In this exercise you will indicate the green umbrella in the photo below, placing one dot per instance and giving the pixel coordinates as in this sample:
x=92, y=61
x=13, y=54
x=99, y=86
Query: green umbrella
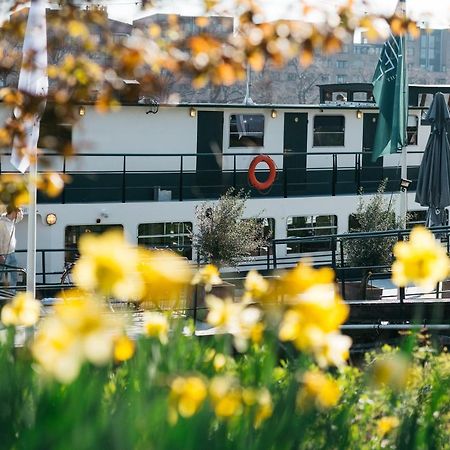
x=433, y=183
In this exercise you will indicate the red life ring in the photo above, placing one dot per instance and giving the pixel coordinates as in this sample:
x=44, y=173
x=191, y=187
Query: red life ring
x=260, y=185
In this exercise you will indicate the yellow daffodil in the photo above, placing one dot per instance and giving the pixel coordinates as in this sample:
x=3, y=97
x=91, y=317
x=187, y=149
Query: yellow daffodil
x=208, y=275
x=223, y=313
x=219, y=362
x=79, y=330
x=250, y=327
x=256, y=287
x=333, y=349
x=386, y=424
x=302, y=278
x=124, y=348
x=166, y=277
x=226, y=396
x=186, y=396
x=264, y=408
x=421, y=260
x=23, y=310
x=156, y=325
x=93, y=326
x=57, y=351
x=262, y=400
x=108, y=266
x=319, y=389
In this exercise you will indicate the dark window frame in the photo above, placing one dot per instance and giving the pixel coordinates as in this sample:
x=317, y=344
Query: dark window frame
x=161, y=238
x=324, y=134
x=73, y=233
x=252, y=137
x=311, y=229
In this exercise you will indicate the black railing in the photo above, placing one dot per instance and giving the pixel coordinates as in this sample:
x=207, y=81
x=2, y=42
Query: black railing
x=336, y=257
x=175, y=176
x=268, y=261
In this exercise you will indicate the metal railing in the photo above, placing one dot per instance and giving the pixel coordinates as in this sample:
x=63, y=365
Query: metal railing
x=131, y=176
x=336, y=257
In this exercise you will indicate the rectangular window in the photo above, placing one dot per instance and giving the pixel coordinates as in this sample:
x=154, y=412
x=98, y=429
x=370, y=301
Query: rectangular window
x=175, y=236
x=341, y=78
x=74, y=232
x=329, y=131
x=360, y=96
x=419, y=217
x=414, y=218
x=412, y=129
x=311, y=227
x=341, y=64
x=246, y=130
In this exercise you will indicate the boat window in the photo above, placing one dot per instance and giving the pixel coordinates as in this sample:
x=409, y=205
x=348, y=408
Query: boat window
x=172, y=235
x=246, y=130
x=419, y=217
x=329, y=131
x=414, y=218
x=412, y=129
x=74, y=232
x=269, y=232
x=311, y=226
x=54, y=134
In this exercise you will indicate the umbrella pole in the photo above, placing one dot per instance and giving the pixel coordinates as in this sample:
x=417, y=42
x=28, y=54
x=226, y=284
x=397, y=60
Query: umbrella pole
x=403, y=191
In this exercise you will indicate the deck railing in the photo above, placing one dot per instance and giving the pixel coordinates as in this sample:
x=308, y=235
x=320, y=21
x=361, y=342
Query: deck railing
x=176, y=176
x=269, y=264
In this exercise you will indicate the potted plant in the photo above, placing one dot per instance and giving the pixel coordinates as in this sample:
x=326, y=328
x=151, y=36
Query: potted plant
x=376, y=213
x=224, y=237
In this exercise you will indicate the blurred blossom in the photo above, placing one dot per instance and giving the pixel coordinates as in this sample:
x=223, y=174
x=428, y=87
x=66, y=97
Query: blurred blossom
x=314, y=315
x=386, y=424
x=219, y=362
x=333, y=349
x=79, y=330
x=156, y=325
x=226, y=396
x=242, y=321
x=208, y=275
x=261, y=401
x=186, y=397
x=256, y=287
x=318, y=389
x=165, y=276
x=223, y=313
x=23, y=310
x=124, y=348
x=51, y=183
x=422, y=260
x=108, y=266
x=391, y=370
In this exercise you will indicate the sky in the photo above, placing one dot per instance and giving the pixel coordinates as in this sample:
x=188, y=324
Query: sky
x=436, y=13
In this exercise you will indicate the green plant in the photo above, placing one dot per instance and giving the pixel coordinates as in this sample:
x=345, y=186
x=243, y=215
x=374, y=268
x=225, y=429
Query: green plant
x=224, y=236
x=377, y=213
x=374, y=214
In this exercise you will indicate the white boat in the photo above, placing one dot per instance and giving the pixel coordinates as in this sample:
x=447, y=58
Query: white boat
x=146, y=168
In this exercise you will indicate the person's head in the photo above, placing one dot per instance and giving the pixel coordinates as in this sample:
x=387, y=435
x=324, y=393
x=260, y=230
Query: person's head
x=12, y=212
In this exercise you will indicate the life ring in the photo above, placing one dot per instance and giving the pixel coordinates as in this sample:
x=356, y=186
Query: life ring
x=262, y=185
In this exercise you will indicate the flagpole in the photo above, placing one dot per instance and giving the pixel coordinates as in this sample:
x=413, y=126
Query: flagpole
x=404, y=156
x=31, y=242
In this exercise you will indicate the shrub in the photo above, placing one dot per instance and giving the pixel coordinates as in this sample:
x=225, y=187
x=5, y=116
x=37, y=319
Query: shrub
x=375, y=214
x=224, y=237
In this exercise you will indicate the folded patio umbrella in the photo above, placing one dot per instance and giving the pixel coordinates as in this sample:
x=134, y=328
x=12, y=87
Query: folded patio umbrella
x=433, y=183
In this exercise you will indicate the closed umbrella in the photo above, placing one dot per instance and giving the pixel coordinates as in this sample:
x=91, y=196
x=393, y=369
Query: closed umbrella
x=433, y=183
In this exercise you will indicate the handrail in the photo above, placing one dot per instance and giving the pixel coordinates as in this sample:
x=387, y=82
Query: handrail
x=356, y=235
x=194, y=155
